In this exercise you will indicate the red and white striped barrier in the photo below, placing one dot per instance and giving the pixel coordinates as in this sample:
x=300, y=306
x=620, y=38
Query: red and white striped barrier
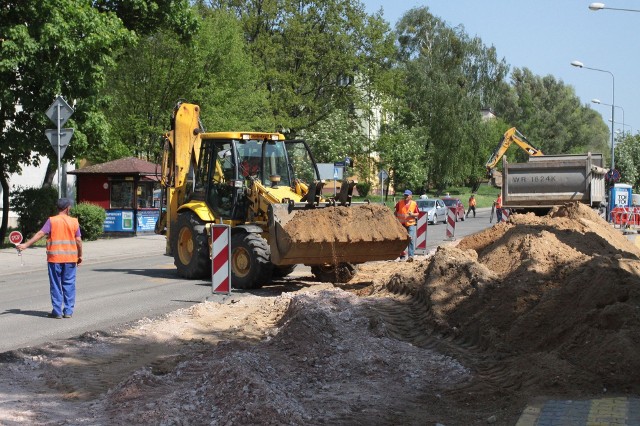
x=451, y=223
x=625, y=216
x=220, y=259
x=505, y=215
x=421, y=234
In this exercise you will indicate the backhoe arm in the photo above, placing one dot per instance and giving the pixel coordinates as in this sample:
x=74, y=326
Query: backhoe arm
x=510, y=136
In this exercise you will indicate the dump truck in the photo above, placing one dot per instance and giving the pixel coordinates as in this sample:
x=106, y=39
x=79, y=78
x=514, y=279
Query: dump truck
x=547, y=181
x=268, y=190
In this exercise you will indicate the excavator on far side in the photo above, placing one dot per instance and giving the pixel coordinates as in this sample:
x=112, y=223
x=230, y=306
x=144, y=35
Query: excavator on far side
x=510, y=136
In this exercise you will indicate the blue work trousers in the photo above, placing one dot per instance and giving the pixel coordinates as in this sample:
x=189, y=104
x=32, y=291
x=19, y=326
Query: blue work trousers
x=411, y=229
x=62, y=284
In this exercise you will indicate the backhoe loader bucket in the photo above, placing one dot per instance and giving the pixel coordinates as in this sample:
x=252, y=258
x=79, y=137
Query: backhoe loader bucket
x=334, y=234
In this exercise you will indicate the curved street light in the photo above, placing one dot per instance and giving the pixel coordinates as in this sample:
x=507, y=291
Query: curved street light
x=579, y=64
x=600, y=6
x=597, y=101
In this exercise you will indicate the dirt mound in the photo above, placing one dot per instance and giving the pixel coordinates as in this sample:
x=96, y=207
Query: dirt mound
x=564, y=288
x=329, y=353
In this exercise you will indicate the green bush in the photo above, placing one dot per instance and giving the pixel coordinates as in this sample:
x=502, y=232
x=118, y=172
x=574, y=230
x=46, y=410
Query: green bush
x=91, y=218
x=34, y=206
x=363, y=188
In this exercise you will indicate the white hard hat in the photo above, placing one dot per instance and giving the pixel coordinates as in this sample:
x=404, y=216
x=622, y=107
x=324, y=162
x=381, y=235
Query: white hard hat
x=423, y=197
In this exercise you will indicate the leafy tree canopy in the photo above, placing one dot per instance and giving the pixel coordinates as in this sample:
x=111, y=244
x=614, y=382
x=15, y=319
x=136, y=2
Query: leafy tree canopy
x=312, y=54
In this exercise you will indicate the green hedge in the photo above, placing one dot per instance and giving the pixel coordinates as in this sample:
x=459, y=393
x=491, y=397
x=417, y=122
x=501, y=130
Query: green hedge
x=34, y=206
x=91, y=218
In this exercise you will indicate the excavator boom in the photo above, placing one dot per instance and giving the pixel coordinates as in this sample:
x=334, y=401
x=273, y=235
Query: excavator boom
x=510, y=136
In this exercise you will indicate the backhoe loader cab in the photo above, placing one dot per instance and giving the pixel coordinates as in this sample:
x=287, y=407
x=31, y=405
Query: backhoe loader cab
x=268, y=190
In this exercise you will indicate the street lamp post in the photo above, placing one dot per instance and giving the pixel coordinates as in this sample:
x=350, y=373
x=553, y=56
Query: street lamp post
x=597, y=101
x=623, y=126
x=613, y=102
x=600, y=6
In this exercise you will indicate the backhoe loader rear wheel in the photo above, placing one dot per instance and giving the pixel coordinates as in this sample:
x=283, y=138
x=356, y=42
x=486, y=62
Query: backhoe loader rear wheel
x=337, y=274
x=190, y=247
x=250, y=265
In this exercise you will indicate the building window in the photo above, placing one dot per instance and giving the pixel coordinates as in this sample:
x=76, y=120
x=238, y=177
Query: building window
x=121, y=195
x=145, y=195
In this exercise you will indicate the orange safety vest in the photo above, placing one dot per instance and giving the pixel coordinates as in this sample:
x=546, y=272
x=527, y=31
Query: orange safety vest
x=472, y=202
x=402, y=212
x=61, y=244
x=499, y=202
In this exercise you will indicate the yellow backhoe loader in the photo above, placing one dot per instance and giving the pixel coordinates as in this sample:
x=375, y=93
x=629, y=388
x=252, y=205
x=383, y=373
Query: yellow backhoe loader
x=510, y=136
x=268, y=190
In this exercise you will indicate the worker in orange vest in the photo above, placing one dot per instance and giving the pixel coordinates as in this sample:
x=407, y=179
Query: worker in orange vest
x=407, y=213
x=472, y=205
x=64, y=254
x=498, y=204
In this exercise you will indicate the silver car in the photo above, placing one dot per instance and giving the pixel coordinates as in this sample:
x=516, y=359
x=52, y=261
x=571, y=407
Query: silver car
x=435, y=209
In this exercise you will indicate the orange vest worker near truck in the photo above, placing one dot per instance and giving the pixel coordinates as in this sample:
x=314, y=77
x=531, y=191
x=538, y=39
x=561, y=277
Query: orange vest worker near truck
x=407, y=213
x=64, y=254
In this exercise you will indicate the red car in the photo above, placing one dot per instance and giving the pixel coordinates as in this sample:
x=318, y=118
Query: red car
x=456, y=204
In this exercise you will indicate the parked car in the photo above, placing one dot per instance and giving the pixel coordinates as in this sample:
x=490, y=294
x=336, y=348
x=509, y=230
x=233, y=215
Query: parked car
x=435, y=208
x=457, y=205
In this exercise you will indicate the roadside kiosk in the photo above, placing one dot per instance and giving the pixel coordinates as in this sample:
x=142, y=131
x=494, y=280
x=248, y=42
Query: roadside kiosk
x=125, y=189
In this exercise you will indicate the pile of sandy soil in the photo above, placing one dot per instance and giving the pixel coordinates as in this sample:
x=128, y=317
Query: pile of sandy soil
x=358, y=223
x=537, y=307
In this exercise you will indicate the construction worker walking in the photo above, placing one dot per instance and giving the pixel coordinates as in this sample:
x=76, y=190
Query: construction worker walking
x=498, y=205
x=407, y=213
x=472, y=205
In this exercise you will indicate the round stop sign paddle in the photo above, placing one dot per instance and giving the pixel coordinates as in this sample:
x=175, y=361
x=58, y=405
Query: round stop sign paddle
x=15, y=237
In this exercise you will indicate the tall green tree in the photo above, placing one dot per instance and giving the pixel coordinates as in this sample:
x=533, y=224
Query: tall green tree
x=312, y=54
x=49, y=48
x=449, y=78
x=549, y=113
x=62, y=47
x=627, y=154
x=214, y=70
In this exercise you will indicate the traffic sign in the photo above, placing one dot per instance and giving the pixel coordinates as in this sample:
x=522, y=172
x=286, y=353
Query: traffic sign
x=65, y=137
x=59, y=111
x=613, y=175
x=383, y=175
x=15, y=237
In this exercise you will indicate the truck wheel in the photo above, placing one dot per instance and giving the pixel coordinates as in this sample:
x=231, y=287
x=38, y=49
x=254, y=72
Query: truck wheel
x=337, y=274
x=250, y=265
x=282, y=271
x=190, y=247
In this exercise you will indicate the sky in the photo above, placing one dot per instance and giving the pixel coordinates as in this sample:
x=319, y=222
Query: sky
x=546, y=36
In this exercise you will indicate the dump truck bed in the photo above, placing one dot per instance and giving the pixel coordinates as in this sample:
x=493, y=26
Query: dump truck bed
x=335, y=234
x=544, y=182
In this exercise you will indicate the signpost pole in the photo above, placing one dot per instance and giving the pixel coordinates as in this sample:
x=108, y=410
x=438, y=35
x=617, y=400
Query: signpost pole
x=59, y=161
x=59, y=112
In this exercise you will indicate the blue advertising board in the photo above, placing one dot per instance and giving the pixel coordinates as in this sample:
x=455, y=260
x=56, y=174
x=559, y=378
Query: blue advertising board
x=123, y=220
x=146, y=220
x=119, y=221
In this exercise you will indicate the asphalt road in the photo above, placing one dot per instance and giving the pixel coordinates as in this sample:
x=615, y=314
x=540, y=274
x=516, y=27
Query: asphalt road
x=121, y=281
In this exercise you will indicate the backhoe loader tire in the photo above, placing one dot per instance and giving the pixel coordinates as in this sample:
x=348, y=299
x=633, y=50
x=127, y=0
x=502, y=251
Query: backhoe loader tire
x=336, y=274
x=282, y=271
x=190, y=247
x=250, y=265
